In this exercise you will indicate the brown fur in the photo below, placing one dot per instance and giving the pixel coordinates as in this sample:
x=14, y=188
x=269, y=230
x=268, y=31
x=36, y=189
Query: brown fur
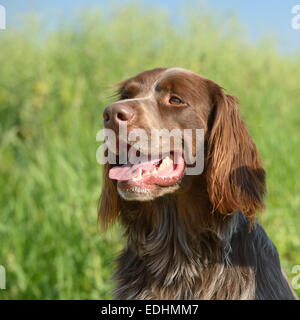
x=202, y=240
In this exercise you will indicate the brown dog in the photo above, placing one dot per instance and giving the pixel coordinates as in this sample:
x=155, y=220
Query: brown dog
x=189, y=236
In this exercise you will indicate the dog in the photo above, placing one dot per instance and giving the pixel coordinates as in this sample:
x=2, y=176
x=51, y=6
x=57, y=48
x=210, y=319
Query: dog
x=189, y=236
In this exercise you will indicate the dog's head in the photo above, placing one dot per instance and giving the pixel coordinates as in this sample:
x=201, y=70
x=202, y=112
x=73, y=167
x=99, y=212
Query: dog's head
x=174, y=101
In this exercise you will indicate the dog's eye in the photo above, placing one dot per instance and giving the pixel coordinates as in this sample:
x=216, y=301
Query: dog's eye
x=175, y=101
x=124, y=95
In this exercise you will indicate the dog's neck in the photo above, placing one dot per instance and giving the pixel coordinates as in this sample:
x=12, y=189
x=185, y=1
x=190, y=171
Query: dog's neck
x=181, y=217
x=175, y=237
x=177, y=228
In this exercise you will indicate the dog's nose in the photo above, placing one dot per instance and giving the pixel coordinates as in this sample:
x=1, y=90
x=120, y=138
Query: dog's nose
x=117, y=114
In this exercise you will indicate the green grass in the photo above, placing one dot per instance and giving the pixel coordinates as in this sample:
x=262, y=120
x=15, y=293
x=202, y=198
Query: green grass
x=53, y=90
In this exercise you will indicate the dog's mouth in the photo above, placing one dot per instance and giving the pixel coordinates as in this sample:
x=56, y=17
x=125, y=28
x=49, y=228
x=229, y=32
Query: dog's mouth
x=163, y=171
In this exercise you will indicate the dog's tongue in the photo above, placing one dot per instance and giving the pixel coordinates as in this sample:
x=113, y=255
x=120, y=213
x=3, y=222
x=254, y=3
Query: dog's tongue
x=130, y=171
x=162, y=172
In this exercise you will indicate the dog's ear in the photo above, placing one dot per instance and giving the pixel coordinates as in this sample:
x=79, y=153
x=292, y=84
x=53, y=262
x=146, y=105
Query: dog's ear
x=234, y=173
x=109, y=203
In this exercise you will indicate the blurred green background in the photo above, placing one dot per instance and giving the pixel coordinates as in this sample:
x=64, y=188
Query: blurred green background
x=54, y=85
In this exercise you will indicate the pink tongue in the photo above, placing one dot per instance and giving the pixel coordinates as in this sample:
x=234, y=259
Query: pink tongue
x=130, y=171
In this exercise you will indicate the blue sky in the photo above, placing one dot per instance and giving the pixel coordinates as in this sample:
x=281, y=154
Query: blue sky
x=260, y=17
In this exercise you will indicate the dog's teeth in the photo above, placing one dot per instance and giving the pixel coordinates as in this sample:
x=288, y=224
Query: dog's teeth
x=138, y=176
x=165, y=163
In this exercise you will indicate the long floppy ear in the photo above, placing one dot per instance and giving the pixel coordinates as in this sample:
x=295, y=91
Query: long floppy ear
x=235, y=175
x=109, y=203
